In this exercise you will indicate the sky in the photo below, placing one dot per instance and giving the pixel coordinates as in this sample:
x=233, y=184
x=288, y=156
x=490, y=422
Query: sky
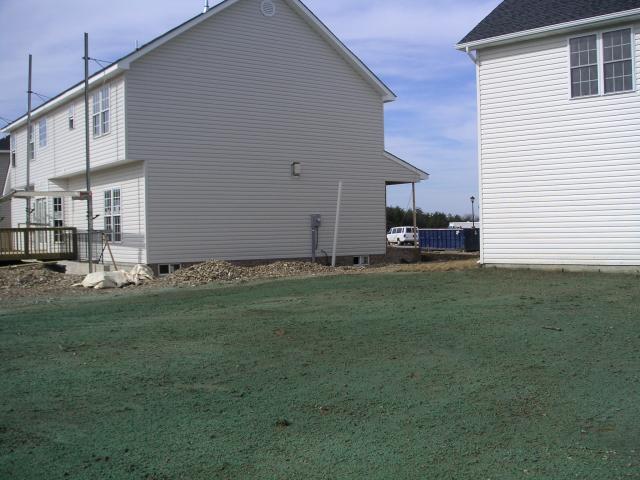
x=409, y=44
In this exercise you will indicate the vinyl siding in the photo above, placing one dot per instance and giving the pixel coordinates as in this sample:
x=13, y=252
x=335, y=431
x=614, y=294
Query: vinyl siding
x=130, y=179
x=221, y=112
x=64, y=154
x=560, y=177
x=5, y=208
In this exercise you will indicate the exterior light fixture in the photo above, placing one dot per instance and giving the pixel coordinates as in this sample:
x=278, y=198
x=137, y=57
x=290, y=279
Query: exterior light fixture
x=296, y=169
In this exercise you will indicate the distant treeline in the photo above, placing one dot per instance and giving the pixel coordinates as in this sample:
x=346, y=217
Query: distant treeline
x=399, y=217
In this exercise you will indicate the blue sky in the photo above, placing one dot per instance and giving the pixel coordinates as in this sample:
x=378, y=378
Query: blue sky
x=408, y=43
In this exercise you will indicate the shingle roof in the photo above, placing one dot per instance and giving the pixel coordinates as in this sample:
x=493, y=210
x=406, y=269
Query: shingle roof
x=513, y=16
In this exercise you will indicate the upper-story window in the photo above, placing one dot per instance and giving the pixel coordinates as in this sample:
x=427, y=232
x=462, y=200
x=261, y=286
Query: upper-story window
x=31, y=145
x=71, y=117
x=12, y=142
x=603, y=57
x=584, y=66
x=618, y=66
x=101, y=111
x=42, y=133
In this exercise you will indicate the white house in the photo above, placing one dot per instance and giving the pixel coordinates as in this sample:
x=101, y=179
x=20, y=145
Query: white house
x=219, y=139
x=559, y=132
x=5, y=210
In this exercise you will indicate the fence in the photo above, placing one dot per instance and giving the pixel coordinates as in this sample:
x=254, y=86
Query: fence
x=97, y=242
x=467, y=239
x=38, y=244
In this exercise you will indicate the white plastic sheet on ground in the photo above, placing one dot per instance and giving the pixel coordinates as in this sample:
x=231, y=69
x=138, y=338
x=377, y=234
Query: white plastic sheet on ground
x=118, y=279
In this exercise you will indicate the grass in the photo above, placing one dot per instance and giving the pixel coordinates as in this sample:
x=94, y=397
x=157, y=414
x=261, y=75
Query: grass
x=443, y=375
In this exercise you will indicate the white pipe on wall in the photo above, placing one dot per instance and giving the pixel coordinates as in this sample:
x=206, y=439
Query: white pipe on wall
x=337, y=225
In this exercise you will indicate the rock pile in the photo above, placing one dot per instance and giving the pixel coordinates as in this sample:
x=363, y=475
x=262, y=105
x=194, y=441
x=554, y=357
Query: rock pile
x=220, y=271
x=14, y=281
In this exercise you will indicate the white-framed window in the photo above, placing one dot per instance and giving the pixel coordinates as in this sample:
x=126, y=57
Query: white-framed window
x=164, y=270
x=12, y=143
x=101, y=117
x=602, y=63
x=618, y=62
x=584, y=66
x=31, y=146
x=112, y=215
x=71, y=117
x=42, y=133
x=58, y=219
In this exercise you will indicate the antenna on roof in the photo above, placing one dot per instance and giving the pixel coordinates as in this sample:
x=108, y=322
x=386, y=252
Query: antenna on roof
x=206, y=6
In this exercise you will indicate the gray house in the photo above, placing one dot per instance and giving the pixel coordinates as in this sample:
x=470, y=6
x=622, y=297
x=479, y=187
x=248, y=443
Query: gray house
x=219, y=139
x=5, y=209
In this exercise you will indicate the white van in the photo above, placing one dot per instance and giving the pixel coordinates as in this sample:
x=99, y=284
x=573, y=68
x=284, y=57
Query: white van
x=402, y=236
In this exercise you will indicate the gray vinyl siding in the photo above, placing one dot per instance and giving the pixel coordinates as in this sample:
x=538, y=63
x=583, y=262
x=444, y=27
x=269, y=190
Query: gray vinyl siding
x=560, y=177
x=5, y=208
x=221, y=112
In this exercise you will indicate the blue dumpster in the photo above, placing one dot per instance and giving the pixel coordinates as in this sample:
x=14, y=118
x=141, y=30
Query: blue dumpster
x=467, y=239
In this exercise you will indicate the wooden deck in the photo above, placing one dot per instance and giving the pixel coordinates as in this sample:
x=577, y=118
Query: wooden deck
x=38, y=244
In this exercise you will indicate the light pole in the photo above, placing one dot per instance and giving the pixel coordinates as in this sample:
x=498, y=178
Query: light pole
x=473, y=212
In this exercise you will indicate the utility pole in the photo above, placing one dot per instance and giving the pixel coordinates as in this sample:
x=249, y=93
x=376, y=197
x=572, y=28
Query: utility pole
x=29, y=147
x=416, y=235
x=87, y=154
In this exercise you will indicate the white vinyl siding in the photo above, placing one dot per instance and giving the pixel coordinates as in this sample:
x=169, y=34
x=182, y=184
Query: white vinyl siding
x=222, y=112
x=129, y=180
x=560, y=178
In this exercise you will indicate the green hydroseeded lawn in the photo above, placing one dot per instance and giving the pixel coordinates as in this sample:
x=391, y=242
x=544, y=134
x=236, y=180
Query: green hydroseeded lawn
x=445, y=375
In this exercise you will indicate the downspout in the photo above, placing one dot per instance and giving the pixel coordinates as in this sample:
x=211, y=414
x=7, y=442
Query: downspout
x=473, y=57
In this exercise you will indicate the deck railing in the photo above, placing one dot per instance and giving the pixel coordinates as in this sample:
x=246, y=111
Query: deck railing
x=38, y=244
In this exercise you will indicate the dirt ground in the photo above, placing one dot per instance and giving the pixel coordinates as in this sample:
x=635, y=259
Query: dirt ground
x=43, y=282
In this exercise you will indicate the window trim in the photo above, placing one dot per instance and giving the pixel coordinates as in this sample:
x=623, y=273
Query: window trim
x=111, y=190
x=43, y=123
x=98, y=93
x=600, y=46
x=12, y=151
x=71, y=117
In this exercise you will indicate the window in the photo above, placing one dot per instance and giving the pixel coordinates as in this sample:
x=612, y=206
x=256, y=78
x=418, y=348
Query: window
x=58, y=221
x=112, y=218
x=12, y=142
x=584, y=66
x=618, y=74
x=71, y=114
x=164, y=270
x=101, y=116
x=40, y=212
x=42, y=132
x=31, y=147
x=604, y=57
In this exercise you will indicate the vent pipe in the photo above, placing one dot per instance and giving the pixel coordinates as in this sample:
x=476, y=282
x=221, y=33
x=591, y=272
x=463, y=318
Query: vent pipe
x=206, y=6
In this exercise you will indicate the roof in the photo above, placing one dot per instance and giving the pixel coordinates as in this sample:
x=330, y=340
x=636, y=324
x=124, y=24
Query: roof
x=422, y=175
x=513, y=16
x=124, y=63
x=5, y=144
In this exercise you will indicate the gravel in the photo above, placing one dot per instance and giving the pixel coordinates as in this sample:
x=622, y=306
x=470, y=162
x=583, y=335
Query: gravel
x=27, y=280
x=220, y=271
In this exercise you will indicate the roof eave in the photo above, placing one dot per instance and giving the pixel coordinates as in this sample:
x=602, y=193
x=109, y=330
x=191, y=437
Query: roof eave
x=73, y=92
x=558, y=28
x=422, y=175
